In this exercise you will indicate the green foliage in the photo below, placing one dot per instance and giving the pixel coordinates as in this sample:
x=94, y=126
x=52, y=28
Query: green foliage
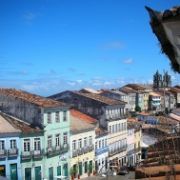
x=72, y=171
x=138, y=108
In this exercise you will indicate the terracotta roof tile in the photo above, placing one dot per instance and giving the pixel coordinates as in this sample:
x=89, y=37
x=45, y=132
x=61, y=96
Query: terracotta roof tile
x=103, y=99
x=174, y=116
x=79, y=125
x=83, y=116
x=143, y=114
x=32, y=98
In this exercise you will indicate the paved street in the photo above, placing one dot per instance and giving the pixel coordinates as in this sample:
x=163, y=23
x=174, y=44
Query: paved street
x=131, y=175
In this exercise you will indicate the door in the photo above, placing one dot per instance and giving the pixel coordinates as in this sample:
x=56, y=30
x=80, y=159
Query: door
x=13, y=171
x=80, y=169
x=51, y=173
x=37, y=173
x=2, y=170
x=90, y=163
x=85, y=167
x=66, y=170
x=27, y=173
x=58, y=170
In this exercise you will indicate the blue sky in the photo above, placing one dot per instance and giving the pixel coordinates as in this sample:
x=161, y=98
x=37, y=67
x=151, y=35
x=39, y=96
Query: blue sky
x=49, y=46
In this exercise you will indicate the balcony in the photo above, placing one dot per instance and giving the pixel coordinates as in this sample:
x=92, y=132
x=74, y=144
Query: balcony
x=117, y=150
x=91, y=147
x=130, y=151
x=137, y=149
x=12, y=152
x=80, y=151
x=2, y=153
x=74, y=153
x=102, y=150
x=86, y=149
x=57, y=150
x=38, y=154
x=26, y=155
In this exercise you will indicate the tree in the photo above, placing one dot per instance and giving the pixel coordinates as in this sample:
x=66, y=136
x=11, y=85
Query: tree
x=138, y=108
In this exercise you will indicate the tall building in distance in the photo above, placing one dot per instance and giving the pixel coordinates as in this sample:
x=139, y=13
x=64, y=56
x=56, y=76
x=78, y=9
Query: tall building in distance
x=161, y=83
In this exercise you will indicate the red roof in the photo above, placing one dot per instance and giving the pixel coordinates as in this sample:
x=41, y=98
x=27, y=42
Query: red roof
x=174, y=116
x=83, y=116
x=131, y=120
x=143, y=114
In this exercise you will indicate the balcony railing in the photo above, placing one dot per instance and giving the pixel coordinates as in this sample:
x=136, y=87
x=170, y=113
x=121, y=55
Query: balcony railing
x=26, y=155
x=12, y=152
x=91, y=147
x=117, y=150
x=56, y=150
x=74, y=153
x=130, y=151
x=101, y=150
x=86, y=149
x=80, y=151
x=137, y=149
x=2, y=153
x=38, y=153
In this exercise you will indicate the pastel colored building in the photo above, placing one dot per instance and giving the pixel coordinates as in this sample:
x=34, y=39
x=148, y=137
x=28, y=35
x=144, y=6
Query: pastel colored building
x=82, y=147
x=10, y=149
x=130, y=144
x=43, y=155
x=137, y=144
x=101, y=150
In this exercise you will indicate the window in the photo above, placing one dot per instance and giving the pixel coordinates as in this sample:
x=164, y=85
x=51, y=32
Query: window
x=57, y=116
x=26, y=145
x=105, y=142
x=90, y=140
x=74, y=145
x=13, y=144
x=110, y=129
x=99, y=143
x=80, y=143
x=37, y=144
x=65, y=138
x=49, y=143
x=58, y=140
x=85, y=141
x=49, y=118
x=64, y=115
x=2, y=145
x=96, y=145
x=119, y=127
x=102, y=143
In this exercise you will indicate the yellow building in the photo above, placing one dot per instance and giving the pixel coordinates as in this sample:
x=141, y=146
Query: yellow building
x=137, y=144
x=145, y=101
x=82, y=147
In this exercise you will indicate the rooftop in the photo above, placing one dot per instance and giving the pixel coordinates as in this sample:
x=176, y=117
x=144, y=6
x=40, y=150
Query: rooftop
x=154, y=94
x=32, y=98
x=6, y=126
x=79, y=125
x=103, y=99
x=83, y=116
x=143, y=114
x=99, y=132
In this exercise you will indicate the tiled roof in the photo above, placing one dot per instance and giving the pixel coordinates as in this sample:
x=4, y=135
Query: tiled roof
x=164, y=120
x=99, y=131
x=174, y=89
x=131, y=120
x=143, y=114
x=154, y=94
x=103, y=99
x=177, y=118
x=79, y=125
x=83, y=116
x=90, y=90
x=135, y=86
x=6, y=126
x=127, y=90
x=32, y=98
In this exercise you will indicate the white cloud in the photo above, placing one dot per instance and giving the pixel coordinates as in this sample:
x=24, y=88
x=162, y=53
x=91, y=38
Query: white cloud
x=128, y=61
x=79, y=81
x=112, y=45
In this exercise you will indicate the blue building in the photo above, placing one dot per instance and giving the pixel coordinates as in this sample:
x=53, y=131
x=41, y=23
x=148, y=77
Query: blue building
x=10, y=166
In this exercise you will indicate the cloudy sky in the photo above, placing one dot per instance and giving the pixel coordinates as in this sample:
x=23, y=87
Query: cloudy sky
x=49, y=46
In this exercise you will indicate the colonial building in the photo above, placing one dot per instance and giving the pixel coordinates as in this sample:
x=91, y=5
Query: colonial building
x=130, y=144
x=41, y=113
x=82, y=146
x=10, y=149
